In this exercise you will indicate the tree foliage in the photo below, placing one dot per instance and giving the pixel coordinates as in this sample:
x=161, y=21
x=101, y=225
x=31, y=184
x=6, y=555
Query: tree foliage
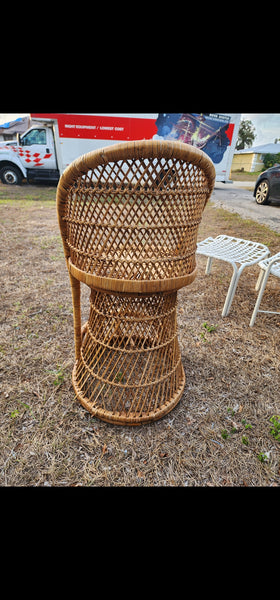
x=269, y=160
x=246, y=134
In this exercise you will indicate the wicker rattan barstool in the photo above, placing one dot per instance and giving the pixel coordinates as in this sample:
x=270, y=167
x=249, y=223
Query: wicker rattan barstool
x=129, y=215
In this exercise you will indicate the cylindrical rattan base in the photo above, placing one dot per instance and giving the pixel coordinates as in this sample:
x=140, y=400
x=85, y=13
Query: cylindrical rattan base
x=129, y=370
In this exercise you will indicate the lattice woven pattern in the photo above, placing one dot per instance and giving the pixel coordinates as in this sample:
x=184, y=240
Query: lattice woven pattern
x=232, y=250
x=129, y=216
x=130, y=345
x=135, y=216
x=275, y=261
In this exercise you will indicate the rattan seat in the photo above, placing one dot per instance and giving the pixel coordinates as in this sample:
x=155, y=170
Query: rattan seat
x=129, y=215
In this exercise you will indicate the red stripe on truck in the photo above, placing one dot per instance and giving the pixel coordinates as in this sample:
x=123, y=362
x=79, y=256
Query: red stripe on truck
x=102, y=127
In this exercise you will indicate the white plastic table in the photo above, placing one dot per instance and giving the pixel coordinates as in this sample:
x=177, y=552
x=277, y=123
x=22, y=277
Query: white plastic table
x=235, y=251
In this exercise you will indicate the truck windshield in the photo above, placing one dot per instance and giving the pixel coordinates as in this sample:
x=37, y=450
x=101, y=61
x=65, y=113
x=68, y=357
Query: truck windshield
x=35, y=136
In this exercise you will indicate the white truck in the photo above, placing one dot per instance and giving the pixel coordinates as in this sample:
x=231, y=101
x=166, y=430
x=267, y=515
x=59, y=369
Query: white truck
x=49, y=146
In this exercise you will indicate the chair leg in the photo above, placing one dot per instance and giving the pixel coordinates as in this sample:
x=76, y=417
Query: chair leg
x=259, y=298
x=76, y=298
x=208, y=265
x=260, y=278
x=231, y=290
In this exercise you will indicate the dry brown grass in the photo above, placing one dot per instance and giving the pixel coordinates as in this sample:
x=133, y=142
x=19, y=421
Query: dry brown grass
x=48, y=439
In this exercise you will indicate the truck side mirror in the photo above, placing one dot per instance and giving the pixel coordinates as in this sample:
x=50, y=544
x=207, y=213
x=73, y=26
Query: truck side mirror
x=18, y=139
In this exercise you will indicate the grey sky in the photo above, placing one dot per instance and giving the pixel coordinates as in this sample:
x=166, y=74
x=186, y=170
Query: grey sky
x=267, y=126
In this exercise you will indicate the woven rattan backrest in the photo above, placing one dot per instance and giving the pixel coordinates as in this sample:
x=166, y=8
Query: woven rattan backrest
x=131, y=211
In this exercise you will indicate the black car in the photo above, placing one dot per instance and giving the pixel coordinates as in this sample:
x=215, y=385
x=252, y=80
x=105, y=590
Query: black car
x=268, y=186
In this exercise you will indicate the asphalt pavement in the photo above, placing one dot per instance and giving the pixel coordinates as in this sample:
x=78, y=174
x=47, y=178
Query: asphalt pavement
x=238, y=197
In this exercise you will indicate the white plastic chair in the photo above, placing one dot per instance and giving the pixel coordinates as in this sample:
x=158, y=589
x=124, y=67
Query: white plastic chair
x=269, y=266
x=234, y=251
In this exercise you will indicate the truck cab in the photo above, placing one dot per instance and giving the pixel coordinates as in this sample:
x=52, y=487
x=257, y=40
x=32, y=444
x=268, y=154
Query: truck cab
x=32, y=156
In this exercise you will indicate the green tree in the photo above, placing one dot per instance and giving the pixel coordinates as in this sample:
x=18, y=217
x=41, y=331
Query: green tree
x=246, y=135
x=269, y=160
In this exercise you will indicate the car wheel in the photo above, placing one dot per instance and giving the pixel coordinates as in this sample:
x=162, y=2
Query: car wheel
x=11, y=175
x=262, y=192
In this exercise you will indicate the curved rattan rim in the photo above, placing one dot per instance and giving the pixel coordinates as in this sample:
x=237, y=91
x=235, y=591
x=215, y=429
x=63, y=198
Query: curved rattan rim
x=128, y=285
x=136, y=149
x=122, y=419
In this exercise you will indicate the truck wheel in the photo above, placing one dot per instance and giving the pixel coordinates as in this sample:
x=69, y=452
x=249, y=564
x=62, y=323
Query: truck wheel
x=10, y=175
x=262, y=192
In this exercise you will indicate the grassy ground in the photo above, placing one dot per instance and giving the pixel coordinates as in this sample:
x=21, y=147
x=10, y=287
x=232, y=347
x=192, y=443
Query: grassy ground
x=245, y=175
x=220, y=432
